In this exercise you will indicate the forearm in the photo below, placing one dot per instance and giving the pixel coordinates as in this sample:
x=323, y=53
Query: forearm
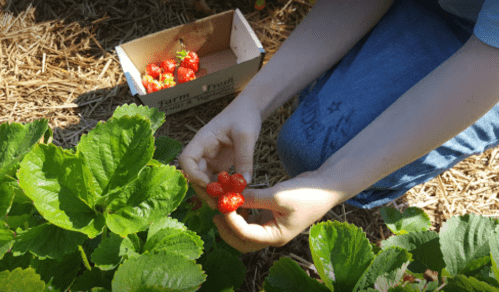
x=326, y=34
x=444, y=103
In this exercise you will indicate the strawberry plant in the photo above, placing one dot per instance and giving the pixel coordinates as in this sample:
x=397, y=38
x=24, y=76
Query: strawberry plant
x=464, y=256
x=96, y=217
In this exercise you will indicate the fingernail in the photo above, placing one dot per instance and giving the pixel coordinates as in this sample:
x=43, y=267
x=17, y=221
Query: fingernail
x=247, y=177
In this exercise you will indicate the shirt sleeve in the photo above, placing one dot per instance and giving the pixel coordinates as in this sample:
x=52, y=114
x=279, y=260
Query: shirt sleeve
x=487, y=25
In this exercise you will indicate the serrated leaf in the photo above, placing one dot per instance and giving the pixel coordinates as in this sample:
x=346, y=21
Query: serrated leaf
x=10, y=262
x=6, y=239
x=406, y=288
x=387, y=261
x=226, y=272
x=61, y=187
x=461, y=283
x=424, y=247
x=58, y=274
x=494, y=251
x=117, y=150
x=341, y=252
x=184, y=242
x=162, y=223
x=165, y=270
x=156, y=117
x=166, y=149
x=464, y=239
x=384, y=282
x=48, y=241
x=475, y=266
x=20, y=280
x=155, y=194
x=111, y=250
x=16, y=140
x=413, y=219
x=94, y=278
x=286, y=275
x=6, y=196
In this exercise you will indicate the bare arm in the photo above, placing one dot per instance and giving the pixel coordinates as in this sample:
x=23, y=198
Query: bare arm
x=326, y=34
x=444, y=103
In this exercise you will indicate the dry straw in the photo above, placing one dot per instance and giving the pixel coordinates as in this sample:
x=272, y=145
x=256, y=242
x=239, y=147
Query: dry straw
x=57, y=61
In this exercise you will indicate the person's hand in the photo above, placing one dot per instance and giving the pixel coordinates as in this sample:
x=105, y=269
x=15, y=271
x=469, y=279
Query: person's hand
x=288, y=208
x=227, y=140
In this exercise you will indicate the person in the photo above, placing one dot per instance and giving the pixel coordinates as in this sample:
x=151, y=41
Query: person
x=392, y=93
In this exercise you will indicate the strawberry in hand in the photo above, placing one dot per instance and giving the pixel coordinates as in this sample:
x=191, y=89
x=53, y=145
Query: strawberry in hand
x=229, y=202
x=185, y=74
x=168, y=66
x=189, y=59
x=153, y=70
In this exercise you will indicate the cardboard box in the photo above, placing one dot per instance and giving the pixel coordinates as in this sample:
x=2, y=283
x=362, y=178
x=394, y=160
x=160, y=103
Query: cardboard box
x=230, y=55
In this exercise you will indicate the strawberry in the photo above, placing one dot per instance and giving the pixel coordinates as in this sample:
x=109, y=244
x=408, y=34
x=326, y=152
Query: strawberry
x=215, y=189
x=167, y=80
x=188, y=59
x=153, y=86
x=153, y=70
x=146, y=79
x=224, y=180
x=185, y=74
x=260, y=4
x=168, y=66
x=237, y=183
x=230, y=202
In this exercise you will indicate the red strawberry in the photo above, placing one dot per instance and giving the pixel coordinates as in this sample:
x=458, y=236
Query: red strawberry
x=230, y=202
x=215, y=189
x=153, y=86
x=237, y=183
x=146, y=79
x=185, y=74
x=224, y=180
x=153, y=70
x=189, y=59
x=168, y=66
x=167, y=80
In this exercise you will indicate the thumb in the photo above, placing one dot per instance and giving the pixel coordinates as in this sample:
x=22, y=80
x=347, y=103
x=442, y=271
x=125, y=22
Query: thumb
x=244, y=145
x=260, y=199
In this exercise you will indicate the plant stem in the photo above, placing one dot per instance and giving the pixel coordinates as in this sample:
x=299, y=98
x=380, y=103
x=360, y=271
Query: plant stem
x=84, y=258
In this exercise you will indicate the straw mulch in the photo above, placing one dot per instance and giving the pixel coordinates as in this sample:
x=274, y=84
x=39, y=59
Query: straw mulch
x=57, y=61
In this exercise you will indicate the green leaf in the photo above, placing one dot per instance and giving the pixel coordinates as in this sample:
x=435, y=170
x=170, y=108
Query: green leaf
x=165, y=270
x=61, y=187
x=184, y=242
x=10, y=262
x=111, y=250
x=341, y=252
x=286, y=275
x=494, y=251
x=94, y=278
x=6, y=239
x=424, y=247
x=226, y=272
x=461, y=283
x=21, y=209
x=162, y=223
x=386, y=262
x=156, y=117
x=406, y=288
x=16, y=140
x=20, y=280
x=7, y=193
x=413, y=219
x=154, y=195
x=166, y=149
x=58, y=274
x=48, y=241
x=464, y=239
x=475, y=266
x=390, y=279
x=116, y=151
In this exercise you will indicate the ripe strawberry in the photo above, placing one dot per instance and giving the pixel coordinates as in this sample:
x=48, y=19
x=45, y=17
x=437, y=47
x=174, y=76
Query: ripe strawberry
x=185, y=74
x=153, y=86
x=260, y=4
x=146, y=79
x=188, y=59
x=167, y=80
x=224, y=180
x=230, y=202
x=215, y=189
x=237, y=183
x=153, y=70
x=168, y=66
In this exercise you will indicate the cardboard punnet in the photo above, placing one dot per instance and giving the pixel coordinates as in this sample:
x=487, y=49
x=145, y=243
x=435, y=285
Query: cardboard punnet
x=230, y=55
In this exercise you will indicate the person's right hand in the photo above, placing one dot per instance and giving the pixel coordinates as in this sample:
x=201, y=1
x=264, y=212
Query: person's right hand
x=227, y=140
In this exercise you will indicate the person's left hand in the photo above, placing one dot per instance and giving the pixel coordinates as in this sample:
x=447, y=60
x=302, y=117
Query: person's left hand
x=288, y=208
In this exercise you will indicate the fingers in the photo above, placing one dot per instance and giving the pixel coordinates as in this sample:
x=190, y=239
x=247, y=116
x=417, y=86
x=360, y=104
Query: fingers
x=212, y=203
x=244, y=146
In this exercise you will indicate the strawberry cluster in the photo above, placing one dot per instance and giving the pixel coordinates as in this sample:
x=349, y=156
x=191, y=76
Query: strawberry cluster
x=163, y=75
x=227, y=190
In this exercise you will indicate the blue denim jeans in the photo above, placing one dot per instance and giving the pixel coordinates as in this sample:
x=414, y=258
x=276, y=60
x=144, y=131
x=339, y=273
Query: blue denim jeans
x=409, y=42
